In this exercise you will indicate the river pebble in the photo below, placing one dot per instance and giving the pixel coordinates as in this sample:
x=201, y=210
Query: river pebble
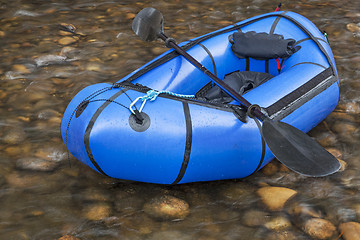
x=275, y=197
x=283, y=235
x=167, y=207
x=21, y=68
x=67, y=41
x=278, y=223
x=96, y=212
x=350, y=230
x=319, y=228
x=14, y=136
x=255, y=218
x=36, y=164
x=353, y=27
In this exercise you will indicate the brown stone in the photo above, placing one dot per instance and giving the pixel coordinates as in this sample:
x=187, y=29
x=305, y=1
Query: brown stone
x=278, y=223
x=96, y=212
x=21, y=68
x=67, y=41
x=352, y=27
x=319, y=228
x=275, y=197
x=167, y=207
x=350, y=230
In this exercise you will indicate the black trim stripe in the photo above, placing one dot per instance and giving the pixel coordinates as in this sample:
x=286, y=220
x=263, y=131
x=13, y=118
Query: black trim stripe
x=301, y=95
x=305, y=39
x=273, y=26
x=247, y=68
x=91, y=125
x=267, y=65
x=187, y=143
x=211, y=57
x=317, y=64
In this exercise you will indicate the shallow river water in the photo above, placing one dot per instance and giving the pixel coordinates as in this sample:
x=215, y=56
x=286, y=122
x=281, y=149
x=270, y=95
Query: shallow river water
x=42, y=67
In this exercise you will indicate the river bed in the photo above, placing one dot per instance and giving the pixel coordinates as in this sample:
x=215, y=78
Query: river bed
x=50, y=50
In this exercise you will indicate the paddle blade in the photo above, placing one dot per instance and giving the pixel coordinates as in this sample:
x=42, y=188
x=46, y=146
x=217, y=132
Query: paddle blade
x=148, y=23
x=297, y=151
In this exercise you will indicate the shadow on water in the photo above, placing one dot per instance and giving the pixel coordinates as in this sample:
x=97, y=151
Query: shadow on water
x=50, y=50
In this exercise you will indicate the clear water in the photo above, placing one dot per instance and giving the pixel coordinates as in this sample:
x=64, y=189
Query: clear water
x=39, y=75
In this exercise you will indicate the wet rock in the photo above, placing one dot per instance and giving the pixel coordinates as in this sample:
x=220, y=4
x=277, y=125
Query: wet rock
x=52, y=153
x=350, y=230
x=302, y=210
x=343, y=165
x=36, y=164
x=269, y=169
x=67, y=41
x=275, y=197
x=96, y=212
x=167, y=207
x=14, y=136
x=319, y=228
x=17, y=180
x=49, y=60
x=94, y=67
x=21, y=68
x=350, y=178
x=284, y=235
x=345, y=129
x=278, y=223
x=68, y=237
x=2, y=34
x=254, y=218
x=352, y=27
x=95, y=195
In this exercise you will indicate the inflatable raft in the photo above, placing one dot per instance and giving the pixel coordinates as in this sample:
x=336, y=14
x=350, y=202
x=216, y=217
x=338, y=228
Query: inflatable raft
x=192, y=131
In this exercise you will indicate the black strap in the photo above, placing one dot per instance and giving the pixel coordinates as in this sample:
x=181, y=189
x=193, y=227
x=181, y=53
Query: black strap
x=211, y=57
x=187, y=143
x=302, y=94
x=267, y=65
x=91, y=125
x=247, y=64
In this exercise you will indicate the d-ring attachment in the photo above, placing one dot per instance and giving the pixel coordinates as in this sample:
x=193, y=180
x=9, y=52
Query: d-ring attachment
x=135, y=101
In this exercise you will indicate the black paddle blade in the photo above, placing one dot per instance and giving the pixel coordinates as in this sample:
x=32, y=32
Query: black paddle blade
x=297, y=151
x=148, y=23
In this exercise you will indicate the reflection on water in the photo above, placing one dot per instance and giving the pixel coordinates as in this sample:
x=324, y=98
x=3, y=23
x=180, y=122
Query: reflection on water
x=50, y=50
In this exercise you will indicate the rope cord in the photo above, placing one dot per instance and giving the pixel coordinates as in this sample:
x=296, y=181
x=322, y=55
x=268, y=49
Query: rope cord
x=152, y=95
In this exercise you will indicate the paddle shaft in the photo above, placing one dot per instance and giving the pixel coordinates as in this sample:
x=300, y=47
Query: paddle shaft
x=171, y=43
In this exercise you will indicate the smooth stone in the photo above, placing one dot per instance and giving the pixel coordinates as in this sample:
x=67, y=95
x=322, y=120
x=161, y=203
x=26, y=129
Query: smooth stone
x=343, y=165
x=319, y=228
x=275, y=197
x=299, y=210
x=52, y=153
x=67, y=41
x=352, y=27
x=2, y=34
x=269, y=169
x=278, y=223
x=94, y=67
x=254, y=218
x=68, y=237
x=335, y=152
x=95, y=195
x=21, y=68
x=167, y=207
x=14, y=136
x=96, y=212
x=17, y=180
x=284, y=235
x=36, y=164
x=350, y=230
x=49, y=60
